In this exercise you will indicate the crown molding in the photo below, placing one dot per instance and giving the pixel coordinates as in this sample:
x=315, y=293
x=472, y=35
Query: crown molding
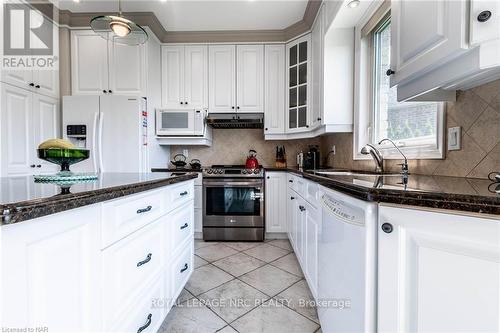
x=149, y=19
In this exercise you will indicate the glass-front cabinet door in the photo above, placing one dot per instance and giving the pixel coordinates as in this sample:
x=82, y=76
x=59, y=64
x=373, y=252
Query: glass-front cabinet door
x=298, y=61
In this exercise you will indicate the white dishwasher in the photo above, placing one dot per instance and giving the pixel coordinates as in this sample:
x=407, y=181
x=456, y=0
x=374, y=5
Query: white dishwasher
x=347, y=264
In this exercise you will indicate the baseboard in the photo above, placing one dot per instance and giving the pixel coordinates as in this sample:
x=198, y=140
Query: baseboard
x=276, y=235
x=198, y=235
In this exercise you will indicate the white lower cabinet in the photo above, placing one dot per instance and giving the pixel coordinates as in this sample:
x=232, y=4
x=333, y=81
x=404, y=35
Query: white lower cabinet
x=312, y=227
x=58, y=273
x=437, y=272
x=51, y=272
x=275, y=202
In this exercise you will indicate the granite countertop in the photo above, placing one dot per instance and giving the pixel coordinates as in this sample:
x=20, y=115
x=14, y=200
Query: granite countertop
x=454, y=193
x=176, y=170
x=22, y=199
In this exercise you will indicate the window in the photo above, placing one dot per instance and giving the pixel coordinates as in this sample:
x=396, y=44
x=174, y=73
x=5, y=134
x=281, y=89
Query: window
x=416, y=127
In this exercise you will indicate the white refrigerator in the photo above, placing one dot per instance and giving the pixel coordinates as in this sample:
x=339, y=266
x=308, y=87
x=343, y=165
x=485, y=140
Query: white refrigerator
x=114, y=128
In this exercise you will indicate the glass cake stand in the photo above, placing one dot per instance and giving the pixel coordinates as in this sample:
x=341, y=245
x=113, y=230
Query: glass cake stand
x=64, y=157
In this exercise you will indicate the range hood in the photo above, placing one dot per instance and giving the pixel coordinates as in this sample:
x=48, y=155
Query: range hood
x=235, y=120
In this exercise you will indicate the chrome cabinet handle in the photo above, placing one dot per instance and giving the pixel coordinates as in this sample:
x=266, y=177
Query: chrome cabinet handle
x=302, y=208
x=183, y=269
x=183, y=193
x=145, y=261
x=184, y=226
x=144, y=210
x=148, y=322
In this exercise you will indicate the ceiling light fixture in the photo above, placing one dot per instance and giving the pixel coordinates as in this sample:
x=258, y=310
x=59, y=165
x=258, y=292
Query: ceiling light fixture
x=353, y=4
x=119, y=29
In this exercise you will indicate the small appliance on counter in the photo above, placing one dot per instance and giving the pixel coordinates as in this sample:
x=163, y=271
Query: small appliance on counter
x=252, y=162
x=195, y=164
x=179, y=161
x=300, y=160
x=312, y=158
x=280, y=157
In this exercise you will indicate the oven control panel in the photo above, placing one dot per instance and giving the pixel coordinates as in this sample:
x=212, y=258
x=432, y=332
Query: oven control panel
x=229, y=172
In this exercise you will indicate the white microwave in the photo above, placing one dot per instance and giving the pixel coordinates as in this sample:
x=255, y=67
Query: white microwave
x=170, y=122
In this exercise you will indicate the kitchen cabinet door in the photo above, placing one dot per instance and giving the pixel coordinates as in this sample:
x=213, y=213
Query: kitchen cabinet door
x=127, y=69
x=274, y=86
x=425, y=34
x=89, y=63
x=172, y=65
x=222, y=78
x=432, y=263
x=51, y=272
x=300, y=224
x=18, y=78
x=46, y=122
x=276, y=202
x=298, y=79
x=17, y=144
x=196, y=76
x=250, y=78
x=291, y=216
x=316, y=109
x=312, y=224
x=46, y=82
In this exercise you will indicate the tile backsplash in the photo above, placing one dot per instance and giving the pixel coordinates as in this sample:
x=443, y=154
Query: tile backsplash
x=231, y=146
x=477, y=111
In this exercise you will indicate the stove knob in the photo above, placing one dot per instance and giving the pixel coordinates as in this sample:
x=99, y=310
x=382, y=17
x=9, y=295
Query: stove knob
x=244, y=172
x=209, y=171
x=256, y=171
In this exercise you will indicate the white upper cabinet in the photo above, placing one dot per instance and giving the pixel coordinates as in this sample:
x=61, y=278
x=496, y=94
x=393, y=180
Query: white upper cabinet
x=425, y=34
x=432, y=263
x=274, y=96
x=46, y=122
x=317, y=38
x=250, y=78
x=127, y=64
x=222, y=78
x=298, y=78
x=236, y=78
x=185, y=76
x=17, y=124
x=89, y=63
x=99, y=66
x=46, y=82
x=18, y=78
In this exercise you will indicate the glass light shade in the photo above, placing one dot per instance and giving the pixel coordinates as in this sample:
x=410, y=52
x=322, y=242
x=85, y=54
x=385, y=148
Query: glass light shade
x=119, y=30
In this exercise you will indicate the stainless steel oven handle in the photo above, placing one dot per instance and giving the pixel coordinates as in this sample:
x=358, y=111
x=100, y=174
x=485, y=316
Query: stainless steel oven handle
x=231, y=184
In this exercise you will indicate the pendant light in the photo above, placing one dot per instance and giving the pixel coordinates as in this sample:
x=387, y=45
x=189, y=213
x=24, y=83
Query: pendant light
x=119, y=29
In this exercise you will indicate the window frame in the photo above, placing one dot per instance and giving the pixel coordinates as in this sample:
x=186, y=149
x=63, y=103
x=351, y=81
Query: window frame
x=365, y=99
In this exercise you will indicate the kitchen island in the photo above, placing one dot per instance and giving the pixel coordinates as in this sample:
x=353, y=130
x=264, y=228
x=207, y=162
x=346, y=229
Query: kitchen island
x=110, y=255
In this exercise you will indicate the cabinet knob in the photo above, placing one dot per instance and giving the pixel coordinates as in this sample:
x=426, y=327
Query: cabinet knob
x=302, y=208
x=266, y=129
x=484, y=16
x=232, y=107
x=290, y=181
x=32, y=166
x=307, y=126
x=389, y=72
x=268, y=177
x=110, y=91
x=387, y=228
x=37, y=86
x=32, y=84
x=292, y=198
x=182, y=102
x=186, y=103
x=39, y=166
x=104, y=91
x=319, y=119
x=238, y=107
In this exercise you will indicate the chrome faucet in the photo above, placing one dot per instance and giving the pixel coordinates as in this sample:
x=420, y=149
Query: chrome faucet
x=377, y=157
x=404, y=165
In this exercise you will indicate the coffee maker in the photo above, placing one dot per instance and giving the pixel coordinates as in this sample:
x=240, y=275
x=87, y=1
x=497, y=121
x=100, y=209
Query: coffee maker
x=312, y=158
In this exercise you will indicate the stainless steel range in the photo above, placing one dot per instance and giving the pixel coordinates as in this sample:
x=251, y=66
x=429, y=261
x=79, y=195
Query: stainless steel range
x=233, y=203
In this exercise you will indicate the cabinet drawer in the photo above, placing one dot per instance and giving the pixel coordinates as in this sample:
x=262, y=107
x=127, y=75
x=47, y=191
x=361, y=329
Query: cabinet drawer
x=128, y=265
x=291, y=181
x=182, y=268
x=180, y=194
x=146, y=315
x=182, y=220
x=122, y=217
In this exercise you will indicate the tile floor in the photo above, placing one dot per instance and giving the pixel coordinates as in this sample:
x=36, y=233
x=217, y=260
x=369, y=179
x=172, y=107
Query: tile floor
x=246, y=288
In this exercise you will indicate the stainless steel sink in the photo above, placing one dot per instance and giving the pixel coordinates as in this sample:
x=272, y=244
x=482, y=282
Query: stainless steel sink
x=356, y=173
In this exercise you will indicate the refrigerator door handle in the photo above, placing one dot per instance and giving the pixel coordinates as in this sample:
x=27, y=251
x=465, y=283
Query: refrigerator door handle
x=94, y=142
x=101, y=120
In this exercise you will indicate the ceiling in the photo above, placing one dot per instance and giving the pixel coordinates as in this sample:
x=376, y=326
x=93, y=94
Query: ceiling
x=204, y=15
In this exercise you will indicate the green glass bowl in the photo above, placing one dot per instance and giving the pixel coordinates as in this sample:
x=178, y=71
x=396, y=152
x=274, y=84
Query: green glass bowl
x=63, y=157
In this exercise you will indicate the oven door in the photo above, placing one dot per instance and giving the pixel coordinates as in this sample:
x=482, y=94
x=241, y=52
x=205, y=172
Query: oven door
x=233, y=203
